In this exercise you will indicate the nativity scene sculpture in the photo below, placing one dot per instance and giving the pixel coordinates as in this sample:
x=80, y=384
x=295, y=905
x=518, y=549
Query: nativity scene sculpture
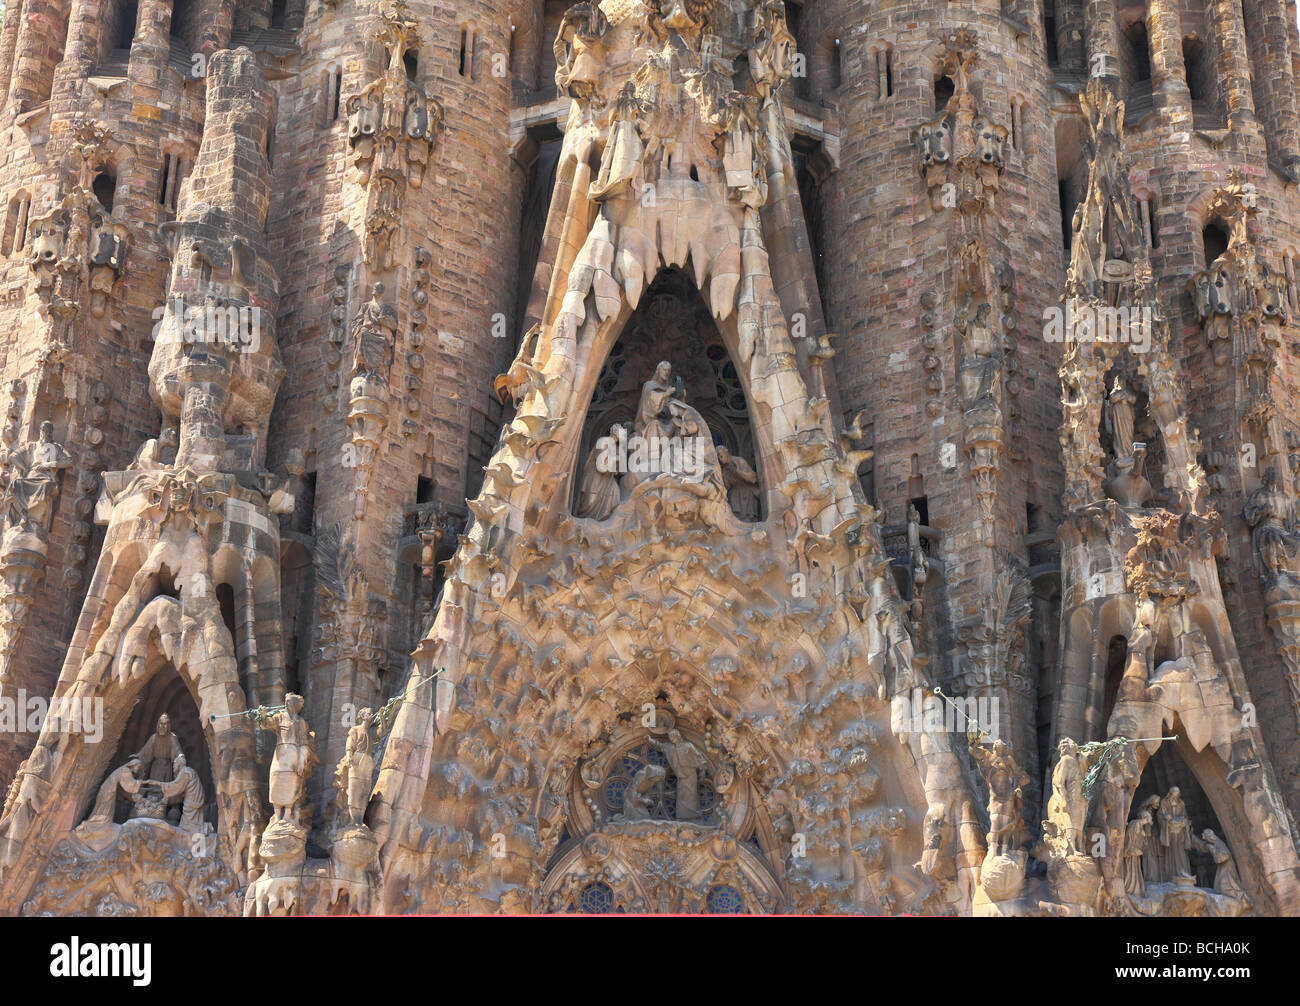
x=668, y=455
x=157, y=781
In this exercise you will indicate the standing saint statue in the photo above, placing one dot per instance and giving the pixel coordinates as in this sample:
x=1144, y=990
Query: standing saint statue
x=685, y=759
x=293, y=759
x=374, y=331
x=1175, y=835
x=353, y=776
x=1269, y=512
x=1153, y=861
x=1136, y=837
x=1067, y=808
x=158, y=755
x=1006, y=781
x=1119, y=420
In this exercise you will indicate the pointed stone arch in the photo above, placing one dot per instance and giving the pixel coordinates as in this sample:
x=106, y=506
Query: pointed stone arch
x=195, y=644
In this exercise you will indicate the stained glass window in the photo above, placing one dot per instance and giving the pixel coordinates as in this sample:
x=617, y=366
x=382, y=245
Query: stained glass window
x=724, y=900
x=596, y=899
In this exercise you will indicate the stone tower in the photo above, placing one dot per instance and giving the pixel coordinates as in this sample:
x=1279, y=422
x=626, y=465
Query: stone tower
x=649, y=455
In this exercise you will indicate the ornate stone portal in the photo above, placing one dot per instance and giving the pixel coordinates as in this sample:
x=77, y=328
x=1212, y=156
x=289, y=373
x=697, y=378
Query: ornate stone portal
x=657, y=649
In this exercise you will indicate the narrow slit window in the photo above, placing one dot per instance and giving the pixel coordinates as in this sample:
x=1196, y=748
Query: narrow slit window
x=15, y=223
x=165, y=182
x=24, y=218
x=884, y=72
x=331, y=88
x=466, y=68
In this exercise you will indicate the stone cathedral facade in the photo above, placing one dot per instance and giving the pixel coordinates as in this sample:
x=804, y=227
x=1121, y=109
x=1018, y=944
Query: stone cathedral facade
x=694, y=456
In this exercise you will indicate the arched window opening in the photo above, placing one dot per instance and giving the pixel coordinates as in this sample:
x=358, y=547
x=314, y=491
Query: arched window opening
x=1071, y=171
x=1214, y=241
x=1139, y=51
x=1116, y=659
x=836, y=65
x=1199, y=82
x=944, y=89
x=105, y=188
x=331, y=95
x=1049, y=34
x=536, y=204
x=1017, y=124
x=169, y=184
x=226, y=601
x=297, y=589
x=885, y=72
x=411, y=62
x=128, y=15
x=1067, y=204
x=184, y=25
x=1147, y=211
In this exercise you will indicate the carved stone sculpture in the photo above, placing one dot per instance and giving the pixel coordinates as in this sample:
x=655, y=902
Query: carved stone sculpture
x=1136, y=838
x=353, y=776
x=293, y=759
x=1067, y=807
x=742, y=485
x=186, y=788
x=160, y=751
x=686, y=761
x=125, y=779
x=1006, y=781
x=1175, y=835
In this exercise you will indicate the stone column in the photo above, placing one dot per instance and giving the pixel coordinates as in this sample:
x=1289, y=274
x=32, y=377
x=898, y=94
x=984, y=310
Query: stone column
x=1101, y=46
x=39, y=48
x=1233, y=67
x=1273, y=67
x=8, y=44
x=152, y=41
x=1168, y=74
x=216, y=18
x=1069, y=36
x=529, y=38
x=81, y=53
